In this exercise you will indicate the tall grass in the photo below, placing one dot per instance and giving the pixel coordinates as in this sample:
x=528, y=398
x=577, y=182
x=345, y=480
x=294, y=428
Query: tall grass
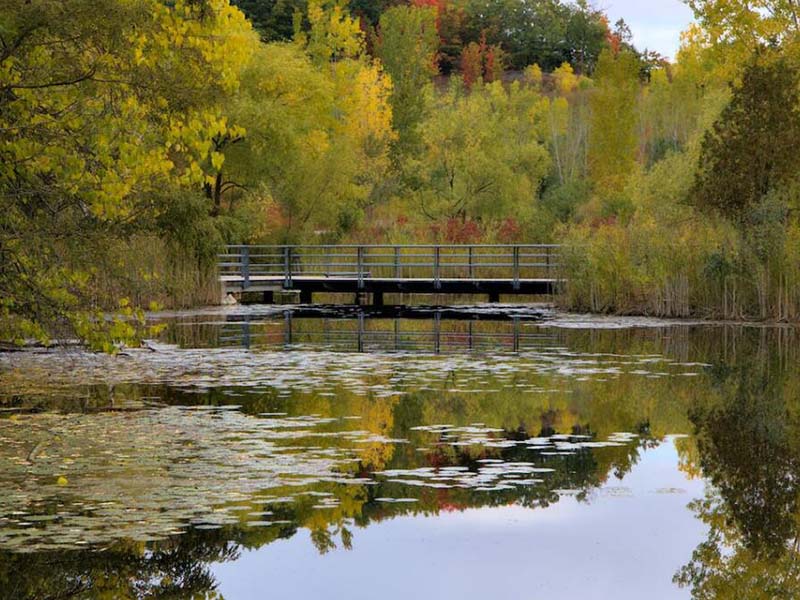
x=697, y=270
x=148, y=271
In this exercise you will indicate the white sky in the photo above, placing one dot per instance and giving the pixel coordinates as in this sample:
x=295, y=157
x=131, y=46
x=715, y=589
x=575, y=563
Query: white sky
x=656, y=24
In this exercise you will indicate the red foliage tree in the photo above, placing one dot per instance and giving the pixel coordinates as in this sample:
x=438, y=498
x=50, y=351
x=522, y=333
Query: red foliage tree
x=510, y=231
x=481, y=60
x=471, y=64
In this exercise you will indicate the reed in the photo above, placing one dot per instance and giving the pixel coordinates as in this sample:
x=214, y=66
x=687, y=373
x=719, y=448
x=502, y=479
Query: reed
x=703, y=270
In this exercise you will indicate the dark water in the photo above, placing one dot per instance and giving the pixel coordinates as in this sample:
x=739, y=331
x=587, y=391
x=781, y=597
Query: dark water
x=257, y=453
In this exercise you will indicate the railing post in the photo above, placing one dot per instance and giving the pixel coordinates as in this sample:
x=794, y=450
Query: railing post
x=516, y=267
x=397, y=270
x=327, y=262
x=245, y=267
x=436, y=257
x=471, y=263
x=360, y=262
x=287, y=267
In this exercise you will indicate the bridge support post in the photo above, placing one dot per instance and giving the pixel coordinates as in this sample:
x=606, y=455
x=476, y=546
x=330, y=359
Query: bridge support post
x=361, y=331
x=437, y=333
x=377, y=299
x=494, y=297
x=269, y=297
x=246, y=335
x=245, y=267
x=287, y=328
x=306, y=296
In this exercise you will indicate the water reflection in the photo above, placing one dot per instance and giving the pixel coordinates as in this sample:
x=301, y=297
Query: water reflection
x=360, y=329
x=175, y=569
x=133, y=476
x=748, y=446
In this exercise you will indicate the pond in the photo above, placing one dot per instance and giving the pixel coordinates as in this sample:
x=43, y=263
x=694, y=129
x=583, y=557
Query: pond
x=274, y=452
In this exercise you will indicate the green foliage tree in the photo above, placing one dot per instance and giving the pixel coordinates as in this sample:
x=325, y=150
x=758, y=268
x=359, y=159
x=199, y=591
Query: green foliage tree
x=547, y=32
x=586, y=37
x=612, y=133
x=407, y=47
x=273, y=19
x=482, y=159
x=752, y=148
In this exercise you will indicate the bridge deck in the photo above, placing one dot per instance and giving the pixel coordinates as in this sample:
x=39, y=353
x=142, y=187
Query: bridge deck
x=407, y=285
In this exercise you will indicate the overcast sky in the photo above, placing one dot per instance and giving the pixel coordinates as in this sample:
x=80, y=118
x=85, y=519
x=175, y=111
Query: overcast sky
x=656, y=24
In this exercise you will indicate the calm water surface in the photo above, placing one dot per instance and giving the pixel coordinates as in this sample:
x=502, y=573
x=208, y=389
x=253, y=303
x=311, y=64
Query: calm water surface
x=347, y=453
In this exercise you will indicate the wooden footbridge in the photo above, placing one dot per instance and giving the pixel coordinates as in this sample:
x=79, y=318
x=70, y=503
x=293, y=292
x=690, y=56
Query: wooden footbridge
x=375, y=270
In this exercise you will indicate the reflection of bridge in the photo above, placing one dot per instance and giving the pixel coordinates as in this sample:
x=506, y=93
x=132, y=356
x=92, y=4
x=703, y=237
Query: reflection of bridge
x=387, y=330
x=521, y=269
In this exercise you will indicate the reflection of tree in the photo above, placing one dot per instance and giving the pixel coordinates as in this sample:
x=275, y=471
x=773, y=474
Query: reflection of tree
x=174, y=569
x=748, y=442
x=582, y=471
x=724, y=567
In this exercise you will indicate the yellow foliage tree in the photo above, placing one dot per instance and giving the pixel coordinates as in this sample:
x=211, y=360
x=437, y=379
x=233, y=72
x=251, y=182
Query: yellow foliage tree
x=103, y=107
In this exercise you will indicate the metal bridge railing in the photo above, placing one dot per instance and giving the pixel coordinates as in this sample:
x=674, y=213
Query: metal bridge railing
x=512, y=262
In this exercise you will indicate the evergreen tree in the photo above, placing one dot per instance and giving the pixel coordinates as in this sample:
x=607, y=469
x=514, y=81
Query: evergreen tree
x=752, y=148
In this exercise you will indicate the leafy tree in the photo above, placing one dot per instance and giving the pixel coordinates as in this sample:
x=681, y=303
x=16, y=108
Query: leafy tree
x=318, y=126
x=407, y=48
x=585, y=38
x=103, y=110
x=481, y=159
x=371, y=10
x=734, y=29
x=565, y=125
x=752, y=148
x=334, y=35
x=273, y=19
x=612, y=134
x=450, y=22
x=481, y=62
x=546, y=32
